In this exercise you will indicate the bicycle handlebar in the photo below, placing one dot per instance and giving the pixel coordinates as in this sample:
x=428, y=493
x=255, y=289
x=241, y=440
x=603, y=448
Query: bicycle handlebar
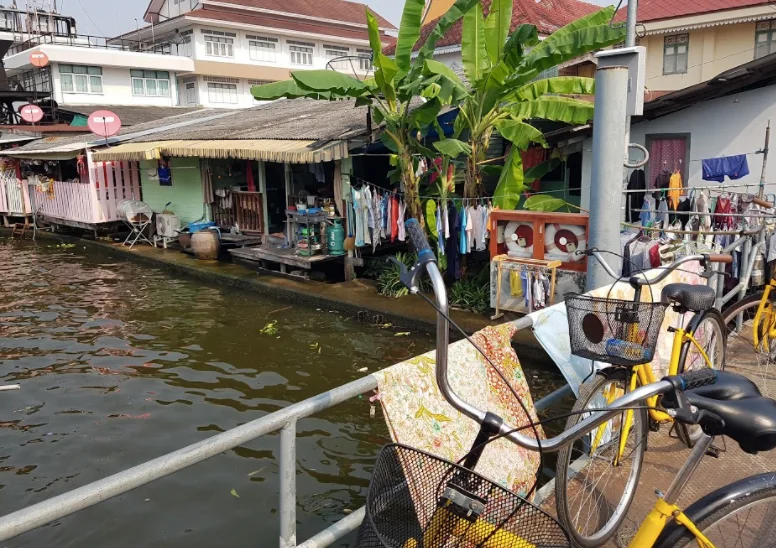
x=667, y=270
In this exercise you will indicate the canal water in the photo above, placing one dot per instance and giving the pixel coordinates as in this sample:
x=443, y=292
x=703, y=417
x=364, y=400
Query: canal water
x=120, y=363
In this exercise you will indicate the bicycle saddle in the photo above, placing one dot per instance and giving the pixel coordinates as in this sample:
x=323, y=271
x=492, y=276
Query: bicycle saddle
x=749, y=418
x=696, y=298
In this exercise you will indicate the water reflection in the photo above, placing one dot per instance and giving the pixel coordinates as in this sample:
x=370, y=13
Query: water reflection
x=120, y=363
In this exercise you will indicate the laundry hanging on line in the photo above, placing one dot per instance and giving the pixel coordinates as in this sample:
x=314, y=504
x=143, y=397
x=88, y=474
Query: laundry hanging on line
x=734, y=167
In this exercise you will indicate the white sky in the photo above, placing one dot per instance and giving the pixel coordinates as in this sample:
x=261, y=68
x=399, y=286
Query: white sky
x=112, y=17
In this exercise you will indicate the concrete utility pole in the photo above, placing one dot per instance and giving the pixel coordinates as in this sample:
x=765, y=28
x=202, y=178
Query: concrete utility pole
x=619, y=84
x=611, y=97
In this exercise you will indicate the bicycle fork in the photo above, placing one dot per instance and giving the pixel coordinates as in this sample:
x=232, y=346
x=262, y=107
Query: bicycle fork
x=665, y=508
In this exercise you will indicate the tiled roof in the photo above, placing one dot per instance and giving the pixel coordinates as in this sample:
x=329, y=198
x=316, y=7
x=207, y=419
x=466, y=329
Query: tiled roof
x=339, y=10
x=655, y=10
x=547, y=15
x=279, y=23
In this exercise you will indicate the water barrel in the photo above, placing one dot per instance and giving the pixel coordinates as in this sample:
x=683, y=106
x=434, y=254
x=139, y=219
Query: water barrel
x=206, y=244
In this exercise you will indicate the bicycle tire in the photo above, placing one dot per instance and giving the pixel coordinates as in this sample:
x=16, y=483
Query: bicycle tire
x=588, y=391
x=715, y=322
x=762, y=365
x=713, y=509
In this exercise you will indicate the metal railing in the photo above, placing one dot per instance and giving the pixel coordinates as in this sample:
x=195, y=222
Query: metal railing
x=94, y=42
x=285, y=420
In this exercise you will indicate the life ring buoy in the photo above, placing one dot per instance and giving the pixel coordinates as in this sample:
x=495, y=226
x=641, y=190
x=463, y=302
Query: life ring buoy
x=519, y=238
x=562, y=241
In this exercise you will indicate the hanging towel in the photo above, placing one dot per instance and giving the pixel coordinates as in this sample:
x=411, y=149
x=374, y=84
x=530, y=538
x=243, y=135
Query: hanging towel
x=400, y=221
x=647, y=208
x=635, y=199
x=446, y=220
x=453, y=260
x=515, y=284
x=464, y=225
x=394, y=218
x=249, y=176
x=662, y=214
x=715, y=169
x=674, y=190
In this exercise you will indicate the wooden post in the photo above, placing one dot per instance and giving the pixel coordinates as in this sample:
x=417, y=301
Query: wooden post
x=263, y=190
x=761, y=193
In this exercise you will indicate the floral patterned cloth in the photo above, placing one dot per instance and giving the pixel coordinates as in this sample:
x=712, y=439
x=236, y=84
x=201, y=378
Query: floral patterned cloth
x=418, y=415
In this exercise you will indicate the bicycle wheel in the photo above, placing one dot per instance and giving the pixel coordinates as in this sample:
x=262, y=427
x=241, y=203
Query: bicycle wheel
x=711, y=335
x=746, y=522
x=593, y=492
x=755, y=361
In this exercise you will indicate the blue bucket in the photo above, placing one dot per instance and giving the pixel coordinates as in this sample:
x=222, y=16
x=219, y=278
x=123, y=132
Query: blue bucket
x=196, y=227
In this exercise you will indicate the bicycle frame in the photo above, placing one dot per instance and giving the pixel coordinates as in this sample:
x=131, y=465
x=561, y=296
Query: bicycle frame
x=649, y=390
x=643, y=375
x=765, y=310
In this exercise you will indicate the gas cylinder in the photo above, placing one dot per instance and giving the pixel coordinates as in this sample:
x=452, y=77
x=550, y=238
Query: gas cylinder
x=335, y=237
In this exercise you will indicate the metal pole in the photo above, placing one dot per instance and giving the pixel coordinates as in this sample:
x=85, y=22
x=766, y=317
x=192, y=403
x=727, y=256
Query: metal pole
x=611, y=84
x=630, y=41
x=765, y=160
x=288, y=486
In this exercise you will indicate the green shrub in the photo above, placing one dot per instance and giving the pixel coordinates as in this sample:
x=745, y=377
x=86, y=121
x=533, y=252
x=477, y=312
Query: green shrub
x=388, y=282
x=471, y=294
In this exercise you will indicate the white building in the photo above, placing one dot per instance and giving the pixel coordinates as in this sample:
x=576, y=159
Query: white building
x=191, y=53
x=236, y=44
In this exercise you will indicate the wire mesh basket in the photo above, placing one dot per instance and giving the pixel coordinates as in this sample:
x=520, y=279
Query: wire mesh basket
x=417, y=500
x=614, y=331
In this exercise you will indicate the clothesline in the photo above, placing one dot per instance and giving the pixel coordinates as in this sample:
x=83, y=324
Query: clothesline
x=695, y=232
x=468, y=200
x=707, y=214
x=719, y=187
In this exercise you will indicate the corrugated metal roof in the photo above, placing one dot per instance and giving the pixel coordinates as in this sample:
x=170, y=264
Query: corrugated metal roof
x=78, y=142
x=130, y=115
x=297, y=119
x=268, y=150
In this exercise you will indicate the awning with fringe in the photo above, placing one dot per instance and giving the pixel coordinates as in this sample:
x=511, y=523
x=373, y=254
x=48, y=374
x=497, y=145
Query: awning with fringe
x=268, y=150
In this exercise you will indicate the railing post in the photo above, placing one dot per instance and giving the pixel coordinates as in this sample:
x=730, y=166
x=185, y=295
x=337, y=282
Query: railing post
x=288, y=485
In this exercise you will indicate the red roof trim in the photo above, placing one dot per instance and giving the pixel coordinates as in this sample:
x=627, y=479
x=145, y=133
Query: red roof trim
x=547, y=15
x=660, y=10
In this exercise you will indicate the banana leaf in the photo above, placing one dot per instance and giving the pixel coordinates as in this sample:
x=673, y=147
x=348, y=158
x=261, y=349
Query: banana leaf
x=409, y=33
x=520, y=134
x=542, y=202
x=552, y=52
x=329, y=81
x=557, y=109
x=510, y=184
x=452, y=147
x=562, y=85
x=497, y=26
x=473, y=52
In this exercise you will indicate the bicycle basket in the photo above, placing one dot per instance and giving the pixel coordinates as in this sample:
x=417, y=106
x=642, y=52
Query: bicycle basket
x=612, y=330
x=417, y=500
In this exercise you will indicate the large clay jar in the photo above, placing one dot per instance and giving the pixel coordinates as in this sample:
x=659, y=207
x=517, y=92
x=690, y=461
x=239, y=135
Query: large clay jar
x=205, y=244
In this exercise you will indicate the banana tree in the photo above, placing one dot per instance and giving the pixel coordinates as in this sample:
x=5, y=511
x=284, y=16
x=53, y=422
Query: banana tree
x=404, y=102
x=503, y=91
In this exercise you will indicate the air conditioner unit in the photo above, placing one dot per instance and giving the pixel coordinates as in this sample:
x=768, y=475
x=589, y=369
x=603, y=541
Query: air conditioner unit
x=167, y=225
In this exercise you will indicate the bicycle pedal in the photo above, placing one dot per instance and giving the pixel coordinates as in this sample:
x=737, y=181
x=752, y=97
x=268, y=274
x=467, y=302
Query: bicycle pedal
x=654, y=426
x=713, y=451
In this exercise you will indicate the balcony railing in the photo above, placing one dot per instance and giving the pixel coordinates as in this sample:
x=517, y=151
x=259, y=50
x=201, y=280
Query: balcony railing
x=94, y=42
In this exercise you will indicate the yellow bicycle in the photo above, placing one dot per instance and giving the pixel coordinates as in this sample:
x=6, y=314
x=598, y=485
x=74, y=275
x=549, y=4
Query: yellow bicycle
x=418, y=500
x=751, y=325
x=623, y=334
